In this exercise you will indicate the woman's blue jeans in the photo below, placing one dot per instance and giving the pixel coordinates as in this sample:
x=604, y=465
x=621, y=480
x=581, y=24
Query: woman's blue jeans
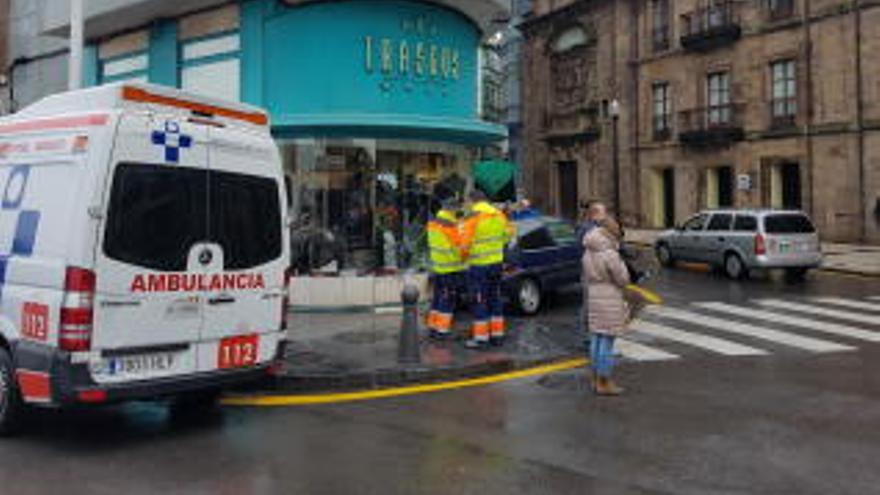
x=602, y=354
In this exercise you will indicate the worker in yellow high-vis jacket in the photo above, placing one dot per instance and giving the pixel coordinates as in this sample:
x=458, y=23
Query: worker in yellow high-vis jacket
x=485, y=232
x=447, y=268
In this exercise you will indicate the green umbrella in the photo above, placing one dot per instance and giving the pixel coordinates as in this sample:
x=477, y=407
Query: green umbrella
x=495, y=177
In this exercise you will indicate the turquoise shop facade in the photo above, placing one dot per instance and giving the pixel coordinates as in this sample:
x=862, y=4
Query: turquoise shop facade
x=375, y=105
x=398, y=69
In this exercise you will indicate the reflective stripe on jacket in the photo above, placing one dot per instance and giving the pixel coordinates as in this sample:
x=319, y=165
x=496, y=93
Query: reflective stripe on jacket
x=444, y=244
x=486, y=231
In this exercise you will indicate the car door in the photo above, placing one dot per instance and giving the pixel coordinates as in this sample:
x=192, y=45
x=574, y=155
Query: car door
x=148, y=293
x=689, y=239
x=717, y=237
x=245, y=277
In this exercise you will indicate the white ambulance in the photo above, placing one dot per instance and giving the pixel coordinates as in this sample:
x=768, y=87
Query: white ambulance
x=143, y=248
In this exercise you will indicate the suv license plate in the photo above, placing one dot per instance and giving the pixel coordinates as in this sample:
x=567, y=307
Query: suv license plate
x=238, y=352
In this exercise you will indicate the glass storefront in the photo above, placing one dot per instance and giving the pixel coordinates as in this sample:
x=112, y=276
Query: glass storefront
x=360, y=206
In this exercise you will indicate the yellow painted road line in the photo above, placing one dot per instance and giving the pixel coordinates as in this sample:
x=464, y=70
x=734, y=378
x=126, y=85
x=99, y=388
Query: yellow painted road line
x=307, y=400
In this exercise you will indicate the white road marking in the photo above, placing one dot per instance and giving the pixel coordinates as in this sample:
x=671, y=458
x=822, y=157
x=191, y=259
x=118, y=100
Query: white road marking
x=640, y=352
x=848, y=303
x=713, y=344
x=810, y=324
x=819, y=311
x=779, y=337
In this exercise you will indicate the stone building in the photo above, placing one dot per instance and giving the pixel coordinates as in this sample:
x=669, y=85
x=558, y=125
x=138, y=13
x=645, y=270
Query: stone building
x=743, y=103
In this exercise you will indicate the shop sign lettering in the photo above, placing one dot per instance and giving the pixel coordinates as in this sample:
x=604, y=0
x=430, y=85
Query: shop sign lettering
x=417, y=56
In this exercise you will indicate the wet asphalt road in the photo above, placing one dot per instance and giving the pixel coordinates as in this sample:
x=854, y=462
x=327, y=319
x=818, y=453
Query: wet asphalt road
x=788, y=422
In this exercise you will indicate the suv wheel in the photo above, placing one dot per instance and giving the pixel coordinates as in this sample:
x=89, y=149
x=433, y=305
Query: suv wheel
x=10, y=399
x=664, y=255
x=734, y=267
x=529, y=297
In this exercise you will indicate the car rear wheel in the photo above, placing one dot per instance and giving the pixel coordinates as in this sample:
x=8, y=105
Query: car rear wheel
x=529, y=297
x=734, y=267
x=664, y=255
x=10, y=398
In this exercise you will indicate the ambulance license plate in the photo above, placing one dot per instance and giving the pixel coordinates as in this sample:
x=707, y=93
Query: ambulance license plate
x=144, y=364
x=238, y=352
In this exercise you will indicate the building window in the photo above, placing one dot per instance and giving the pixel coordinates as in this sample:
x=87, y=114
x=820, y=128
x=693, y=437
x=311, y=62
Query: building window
x=124, y=68
x=780, y=9
x=660, y=25
x=783, y=105
x=211, y=66
x=718, y=85
x=662, y=111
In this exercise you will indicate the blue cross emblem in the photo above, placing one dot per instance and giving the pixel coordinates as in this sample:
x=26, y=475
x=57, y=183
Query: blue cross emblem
x=172, y=140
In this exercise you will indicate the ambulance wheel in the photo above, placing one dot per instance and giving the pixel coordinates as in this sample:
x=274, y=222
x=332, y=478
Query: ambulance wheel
x=10, y=399
x=528, y=297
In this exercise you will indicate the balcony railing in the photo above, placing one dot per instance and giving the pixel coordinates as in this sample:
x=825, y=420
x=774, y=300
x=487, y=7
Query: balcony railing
x=783, y=113
x=713, y=125
x=711, y=26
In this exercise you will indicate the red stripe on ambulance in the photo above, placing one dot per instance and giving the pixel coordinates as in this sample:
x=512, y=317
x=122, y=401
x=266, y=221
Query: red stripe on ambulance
x=191, y=282
x=72, y=122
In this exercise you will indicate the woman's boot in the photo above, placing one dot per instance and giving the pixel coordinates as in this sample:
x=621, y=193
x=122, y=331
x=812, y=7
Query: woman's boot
x=606, y=387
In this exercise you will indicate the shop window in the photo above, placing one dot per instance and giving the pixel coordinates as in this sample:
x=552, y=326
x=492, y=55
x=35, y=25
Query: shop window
x=124, y=68
x=361, y=205
x=211, y=66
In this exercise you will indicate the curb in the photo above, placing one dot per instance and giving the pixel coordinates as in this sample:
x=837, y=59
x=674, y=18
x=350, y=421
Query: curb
x=847, y=272
x=396, y=377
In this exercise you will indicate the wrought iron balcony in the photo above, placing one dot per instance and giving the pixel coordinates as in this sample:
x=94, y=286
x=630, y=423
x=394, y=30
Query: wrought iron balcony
x=711, y=27
x=717, y=125
x=783, y=113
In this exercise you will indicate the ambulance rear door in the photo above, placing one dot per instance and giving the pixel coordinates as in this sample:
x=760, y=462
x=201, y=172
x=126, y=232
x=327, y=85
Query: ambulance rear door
x=151, y=250
x=243, y=307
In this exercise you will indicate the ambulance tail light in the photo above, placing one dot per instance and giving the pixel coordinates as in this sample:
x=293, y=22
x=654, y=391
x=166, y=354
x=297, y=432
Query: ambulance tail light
x=77, y=310
x=285, y=299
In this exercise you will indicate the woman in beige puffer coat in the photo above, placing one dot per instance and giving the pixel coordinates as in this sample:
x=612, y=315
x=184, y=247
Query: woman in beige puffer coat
x=605, y=275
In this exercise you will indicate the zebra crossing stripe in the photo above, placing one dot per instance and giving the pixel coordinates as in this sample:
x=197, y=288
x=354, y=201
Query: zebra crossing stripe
x=640, y=352
x=818, y=311
x=779, y=337
x=707, y=342
x=848, y=303
x=810, y=324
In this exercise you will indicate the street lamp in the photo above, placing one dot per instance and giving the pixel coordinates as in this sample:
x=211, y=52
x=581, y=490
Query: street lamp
x=74, y=71
x=614, y=112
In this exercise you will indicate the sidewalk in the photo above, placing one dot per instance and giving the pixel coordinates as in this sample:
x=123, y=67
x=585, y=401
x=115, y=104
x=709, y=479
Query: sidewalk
x=853, y=259
x=347, y=351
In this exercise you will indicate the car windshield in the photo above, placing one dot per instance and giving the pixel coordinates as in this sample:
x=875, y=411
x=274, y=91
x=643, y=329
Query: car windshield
x=788, y=223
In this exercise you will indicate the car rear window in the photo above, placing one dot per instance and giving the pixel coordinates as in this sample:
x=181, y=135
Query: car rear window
x=788, y=223
x=157, y=213
x=533, y=234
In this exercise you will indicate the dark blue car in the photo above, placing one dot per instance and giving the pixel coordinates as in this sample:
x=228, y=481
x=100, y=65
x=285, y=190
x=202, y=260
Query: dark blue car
x=546, y=257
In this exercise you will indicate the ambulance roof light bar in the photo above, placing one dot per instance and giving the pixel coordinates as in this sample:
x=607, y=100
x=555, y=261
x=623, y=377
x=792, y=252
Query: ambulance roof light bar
x=198, y=109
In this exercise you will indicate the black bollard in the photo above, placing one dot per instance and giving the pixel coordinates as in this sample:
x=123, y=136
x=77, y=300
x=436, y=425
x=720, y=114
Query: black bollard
x=408, y=351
